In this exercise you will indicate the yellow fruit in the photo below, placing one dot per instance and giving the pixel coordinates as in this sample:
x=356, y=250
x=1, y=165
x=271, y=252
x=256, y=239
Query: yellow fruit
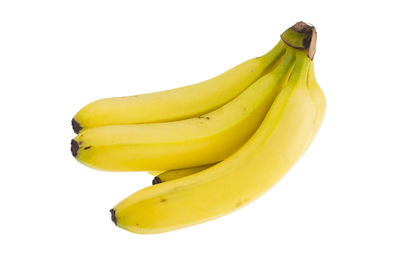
x=178, y=173
x=180, y=103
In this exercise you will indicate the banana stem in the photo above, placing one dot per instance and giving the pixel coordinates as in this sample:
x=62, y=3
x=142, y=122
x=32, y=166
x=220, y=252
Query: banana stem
x=299, y=75
x=301, y=36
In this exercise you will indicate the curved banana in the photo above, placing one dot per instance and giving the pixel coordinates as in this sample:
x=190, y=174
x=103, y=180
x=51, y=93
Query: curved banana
x=239, y=179
x=181, y=144
x=180, y=103
x=176, y=174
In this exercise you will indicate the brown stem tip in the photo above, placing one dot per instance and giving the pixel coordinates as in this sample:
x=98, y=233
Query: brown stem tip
x=156, y=180
x=302, y=27
x=76, y=126
x=301, y=36
x=310, y=42
x=74, y=147
x=113, y=217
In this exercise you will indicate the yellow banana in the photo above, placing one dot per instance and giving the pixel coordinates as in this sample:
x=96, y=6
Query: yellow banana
x=242, y=177
x=176, y=174
x=181, y=144
x=180, y=103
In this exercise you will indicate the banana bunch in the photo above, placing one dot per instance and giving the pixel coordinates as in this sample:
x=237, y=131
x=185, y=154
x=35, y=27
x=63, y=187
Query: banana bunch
x=214, y=146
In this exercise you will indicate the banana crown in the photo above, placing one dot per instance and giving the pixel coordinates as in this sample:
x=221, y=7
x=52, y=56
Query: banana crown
x=301, y=36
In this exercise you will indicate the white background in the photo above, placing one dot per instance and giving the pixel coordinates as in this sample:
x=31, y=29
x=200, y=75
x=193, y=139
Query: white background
x=339, y=206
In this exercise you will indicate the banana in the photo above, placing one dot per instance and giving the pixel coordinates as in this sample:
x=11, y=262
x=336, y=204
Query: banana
x=176, y=174
x=180, y=103
x=197, y=141
x=244, y=176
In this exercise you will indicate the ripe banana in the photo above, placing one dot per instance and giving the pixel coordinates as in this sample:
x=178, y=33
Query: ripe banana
x=192, y=142
x=278, y=143
x=180, y=103
x=176, y=174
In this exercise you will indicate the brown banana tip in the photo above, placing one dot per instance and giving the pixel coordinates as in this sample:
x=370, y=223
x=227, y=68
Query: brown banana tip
x=113, y=217
x=303, y=27
x=156, y=180
x=74, y=147
x=301, y=36
x=76, y=126
x=309, y=43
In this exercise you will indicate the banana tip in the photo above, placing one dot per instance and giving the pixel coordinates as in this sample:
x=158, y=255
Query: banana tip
x=156, y=180
x=74, y=147
x=76, y=126
x=113, y=217
x=301, y=36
